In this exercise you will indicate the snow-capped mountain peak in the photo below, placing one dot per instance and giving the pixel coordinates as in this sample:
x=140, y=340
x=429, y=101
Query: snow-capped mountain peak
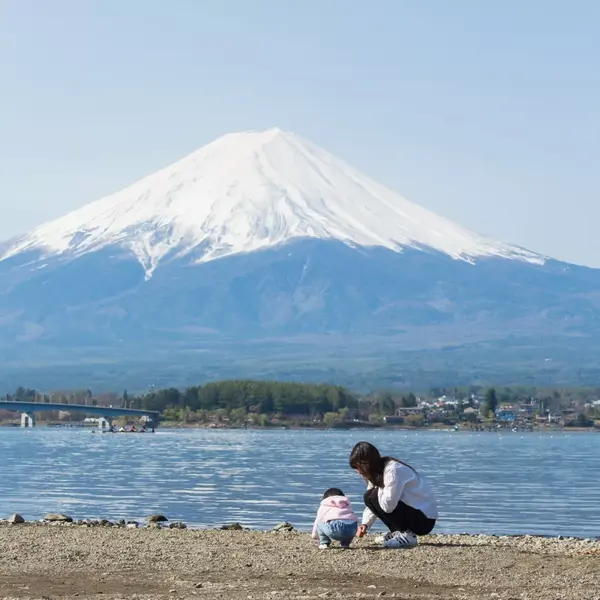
x=248, y=191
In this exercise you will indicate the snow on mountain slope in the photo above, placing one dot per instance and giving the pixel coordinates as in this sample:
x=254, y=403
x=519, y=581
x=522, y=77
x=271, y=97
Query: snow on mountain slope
x=252, y=190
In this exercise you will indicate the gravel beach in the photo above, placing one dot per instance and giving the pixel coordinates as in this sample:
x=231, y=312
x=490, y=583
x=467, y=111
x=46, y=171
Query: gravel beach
x=43, y=561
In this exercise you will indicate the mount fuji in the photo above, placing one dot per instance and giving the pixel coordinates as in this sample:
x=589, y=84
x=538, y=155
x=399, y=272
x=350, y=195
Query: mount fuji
x=262, y=240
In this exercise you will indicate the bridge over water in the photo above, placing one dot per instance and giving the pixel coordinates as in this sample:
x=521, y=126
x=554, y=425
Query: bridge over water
x=104, y=413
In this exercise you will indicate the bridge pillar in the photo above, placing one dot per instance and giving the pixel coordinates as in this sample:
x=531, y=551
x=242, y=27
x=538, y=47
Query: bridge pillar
x=27, y=420
x=104, y=423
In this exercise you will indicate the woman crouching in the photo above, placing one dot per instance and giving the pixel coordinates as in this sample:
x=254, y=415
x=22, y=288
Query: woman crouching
x=396, y=494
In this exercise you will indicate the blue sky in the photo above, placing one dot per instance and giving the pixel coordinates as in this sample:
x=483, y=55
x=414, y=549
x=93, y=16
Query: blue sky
x=485, y=112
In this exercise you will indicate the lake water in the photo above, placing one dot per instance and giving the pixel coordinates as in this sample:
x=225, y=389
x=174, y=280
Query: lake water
x=486, y=483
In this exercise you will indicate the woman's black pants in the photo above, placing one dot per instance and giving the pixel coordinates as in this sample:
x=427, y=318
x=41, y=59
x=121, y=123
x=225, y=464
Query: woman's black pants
x=402, y=518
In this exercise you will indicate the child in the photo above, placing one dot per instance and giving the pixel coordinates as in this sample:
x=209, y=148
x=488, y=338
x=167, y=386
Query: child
x=335, y=520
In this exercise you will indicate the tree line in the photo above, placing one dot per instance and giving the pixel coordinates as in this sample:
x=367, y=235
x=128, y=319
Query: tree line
x=262, y=397
x=307, y=400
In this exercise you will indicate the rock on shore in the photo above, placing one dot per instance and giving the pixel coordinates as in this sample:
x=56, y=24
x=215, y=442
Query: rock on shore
x=16, y=519
x=57, y=518
x=156, y=564
x=157, y=519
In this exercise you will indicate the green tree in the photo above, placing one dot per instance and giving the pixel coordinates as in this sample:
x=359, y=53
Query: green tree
x=238, y=415
x=375, y=419
x=414, y=420
x=330, y=419
x=385, y=404
x=410, y=401
x=583, y=421
x=490, y=404
x=222, y=415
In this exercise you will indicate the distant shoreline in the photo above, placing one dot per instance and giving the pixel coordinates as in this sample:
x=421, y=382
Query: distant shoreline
x=441, y=428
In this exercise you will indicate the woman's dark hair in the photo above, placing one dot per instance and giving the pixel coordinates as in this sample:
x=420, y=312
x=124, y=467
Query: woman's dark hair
x=333, y=492
x=366, y=457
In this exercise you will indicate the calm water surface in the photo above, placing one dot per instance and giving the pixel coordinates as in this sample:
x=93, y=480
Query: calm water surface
x=486, y=483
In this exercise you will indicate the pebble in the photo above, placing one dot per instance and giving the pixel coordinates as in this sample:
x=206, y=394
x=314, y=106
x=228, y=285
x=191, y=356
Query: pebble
x=285, y=527
x=232, y=527
x=157, y=519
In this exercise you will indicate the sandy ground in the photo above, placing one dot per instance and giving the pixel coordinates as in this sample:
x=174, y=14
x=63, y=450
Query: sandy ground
x=148, y=564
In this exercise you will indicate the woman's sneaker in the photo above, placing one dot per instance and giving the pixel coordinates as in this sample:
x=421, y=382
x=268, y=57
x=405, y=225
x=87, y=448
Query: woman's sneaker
x=323, y=546
x=382, y=539
x=401, y=539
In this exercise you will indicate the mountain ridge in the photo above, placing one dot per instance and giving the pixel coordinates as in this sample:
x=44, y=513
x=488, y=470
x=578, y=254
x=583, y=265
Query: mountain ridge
x=252, y=190
x=261, y=245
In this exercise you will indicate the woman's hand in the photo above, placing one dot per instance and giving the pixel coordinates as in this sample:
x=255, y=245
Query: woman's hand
x=362, y=531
